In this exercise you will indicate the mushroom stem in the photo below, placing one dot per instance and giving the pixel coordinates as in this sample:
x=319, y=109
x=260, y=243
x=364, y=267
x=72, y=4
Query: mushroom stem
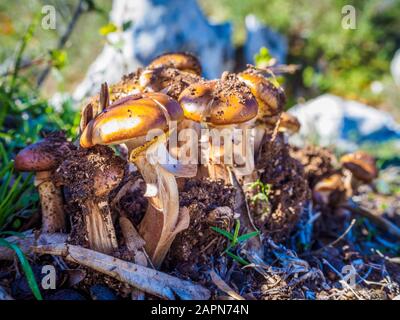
x=163, y=219
x=238, y=154
x=53, y=218
x=246, y=151
x=99, y=227
x=217, y=167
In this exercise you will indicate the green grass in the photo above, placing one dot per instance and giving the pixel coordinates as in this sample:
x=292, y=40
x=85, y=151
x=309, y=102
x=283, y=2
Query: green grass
x=234, y=240
x=24, y=263
x=24, y=117
x=262, y=191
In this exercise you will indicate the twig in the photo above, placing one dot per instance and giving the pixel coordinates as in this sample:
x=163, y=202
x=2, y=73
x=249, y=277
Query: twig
x=380, y=221
x=148, y=280
x=278, y=69
x=333, y=243
x=27, y=240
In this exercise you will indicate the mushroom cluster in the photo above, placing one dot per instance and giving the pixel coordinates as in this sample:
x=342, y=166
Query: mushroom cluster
x=333, y=182
x=142, y=113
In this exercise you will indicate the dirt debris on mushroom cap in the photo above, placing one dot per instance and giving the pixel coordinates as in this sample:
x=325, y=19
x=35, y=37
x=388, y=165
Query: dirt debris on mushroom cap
x=44, y=155
x=90, y=172
x=168, y=80
x=361, y=164
x=80, y=175
x=270, y=97
x=219, y=102
x=179, y=60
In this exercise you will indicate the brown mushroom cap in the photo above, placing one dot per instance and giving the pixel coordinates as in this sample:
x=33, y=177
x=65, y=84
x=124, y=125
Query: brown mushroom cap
x=128, y=85
x=361, y=165
x=44, y=155
x=269, y=97
x=289, y=123
x=330, y=183
x=179, y=60
x=129, y=118
x=169, y=80
x=219, y=102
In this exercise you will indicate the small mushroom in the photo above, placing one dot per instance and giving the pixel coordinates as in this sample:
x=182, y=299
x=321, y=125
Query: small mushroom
x=288, y=123
x=129, y=121
x=99, y=224
x=222, y=105
x=179, y=60
x=359, y=168
x=90, y=175
x=330, y=190
x=43, y=158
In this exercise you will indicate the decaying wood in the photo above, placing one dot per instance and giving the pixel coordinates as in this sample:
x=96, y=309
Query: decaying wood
x=29, y=239
x=148, y=280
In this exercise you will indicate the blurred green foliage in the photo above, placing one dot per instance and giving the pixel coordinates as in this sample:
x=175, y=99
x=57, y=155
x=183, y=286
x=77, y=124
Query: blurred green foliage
x=83, y=46
x=24, y=117
x=341, y=61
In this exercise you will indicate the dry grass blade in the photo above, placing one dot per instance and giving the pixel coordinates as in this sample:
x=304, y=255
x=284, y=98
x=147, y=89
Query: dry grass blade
x=148, y=280
x=223, y=286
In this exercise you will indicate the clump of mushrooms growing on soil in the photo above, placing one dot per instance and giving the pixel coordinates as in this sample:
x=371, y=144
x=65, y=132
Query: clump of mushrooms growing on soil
x=136, y=218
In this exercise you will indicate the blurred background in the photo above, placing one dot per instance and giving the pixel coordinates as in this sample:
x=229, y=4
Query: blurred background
x=346, y=91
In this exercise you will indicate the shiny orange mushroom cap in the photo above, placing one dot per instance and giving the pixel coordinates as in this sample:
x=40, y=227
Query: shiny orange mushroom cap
x=218, y=102
x=270, y=98
x=179, y=60
x=131, y=117
x=44, y=155
x=329, y=184
x=361, y=165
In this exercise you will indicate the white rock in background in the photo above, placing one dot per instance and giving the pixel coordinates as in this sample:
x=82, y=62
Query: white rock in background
x=158, y=26
x=331, y=120
x=258, y=36
x=395, y=67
